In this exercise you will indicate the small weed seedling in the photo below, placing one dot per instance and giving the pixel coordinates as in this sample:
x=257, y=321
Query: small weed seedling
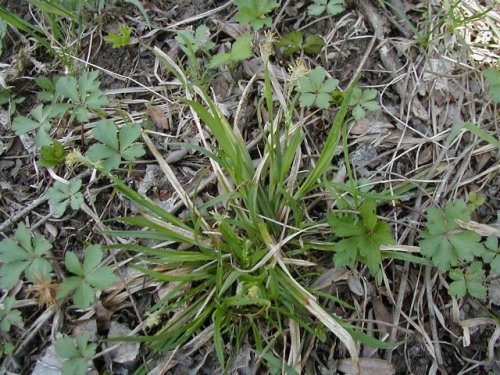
x=61, y=195
x=361, y=237
x=41, y=121
x=332, y=7
x=3, y=32
x=314, y=90
x=470, y=281
x=193, y=42
x=254, y=12
x=84, y=94
x=52, y=155
x=9, y=317
x=24, y=254
x=89, y=277
x=241, y=50
x=493, y=78
x=294, y=42
x=120, y=39
x=80, y=96
x=362, y=101
x=116, y=144
x=444, y=242
x=492, y=254
x=77, y=353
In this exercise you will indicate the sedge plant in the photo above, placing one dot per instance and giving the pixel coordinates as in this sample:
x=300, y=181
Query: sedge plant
x=237, y=263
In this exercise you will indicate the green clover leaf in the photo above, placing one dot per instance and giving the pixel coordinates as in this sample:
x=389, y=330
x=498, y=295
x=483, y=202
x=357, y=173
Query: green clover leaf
x=116, y=144
x=41, y=120
x=24, y=254
x=444, y=241
x=8, y=316
x=84, y=94
x=362, y=101
x=314, y=90
x=77, y=353
x=61, y=195
x=89, y=277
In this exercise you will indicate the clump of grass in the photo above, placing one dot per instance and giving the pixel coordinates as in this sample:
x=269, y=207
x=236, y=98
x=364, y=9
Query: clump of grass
x=238, y=263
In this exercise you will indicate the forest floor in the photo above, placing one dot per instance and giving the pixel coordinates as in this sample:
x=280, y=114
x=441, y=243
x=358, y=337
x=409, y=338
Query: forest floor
x=424, y=135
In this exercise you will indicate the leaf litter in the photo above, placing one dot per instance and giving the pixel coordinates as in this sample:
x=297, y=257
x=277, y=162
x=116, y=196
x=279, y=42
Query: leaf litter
x=419, y=103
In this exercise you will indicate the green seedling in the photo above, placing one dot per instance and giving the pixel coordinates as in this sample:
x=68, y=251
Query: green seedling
x=193, y=42
x=23, y=254
x=294, y=42
x=241, y=50
x=491, y=254
x=77, y=353
x=9, y=317
x=120, y=39
x=48, y=86
x=470, y=281
x=361, y=237
x=89, y=277
x=254, y=12
x=332, y=7
x=314, y=90
x=362, y=101
x=8, y=98
x=61, y=195
x=3, y=32
x=444, y=242
x=116, y=144
x=84, y=94
x=4, y=96
x=52, y=155
x=41, y=121
x=6, y=348
x=492, y=76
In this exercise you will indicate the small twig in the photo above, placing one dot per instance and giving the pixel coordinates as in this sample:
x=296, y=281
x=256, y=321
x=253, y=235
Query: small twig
x=14, y=218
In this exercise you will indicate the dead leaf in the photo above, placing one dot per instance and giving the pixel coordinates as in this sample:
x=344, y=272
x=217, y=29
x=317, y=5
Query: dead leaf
x=370, y=126
x=157, y=115
x=126, y=351
x=103, y=317
x=355, y=285
x=425, y=155
x=382, y=314
x=329, y=277
x=481, y=229
x=368, y=366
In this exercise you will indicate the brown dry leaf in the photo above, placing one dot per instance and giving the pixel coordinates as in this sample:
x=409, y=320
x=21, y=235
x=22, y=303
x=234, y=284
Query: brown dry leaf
x=126, y=352
x=329, y=277
x=425, y=155
x=233, y=29
x=158, y=117
x=382, y=314
x=293, y=8
x=366, y=126
x=481, y=229
x=368, y=366
x=355, y=286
